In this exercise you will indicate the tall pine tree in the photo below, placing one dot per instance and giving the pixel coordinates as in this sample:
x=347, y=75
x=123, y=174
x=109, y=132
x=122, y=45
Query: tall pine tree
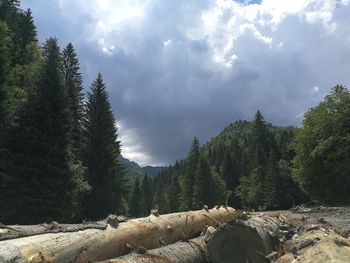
x=135, y=203
x=100, y=154
x=230, y=174
x=146, y=194
x=204, y=186
x=41, y=180
x=189, y=176
x=251, y=189
x=5, y=42
x=74, y=86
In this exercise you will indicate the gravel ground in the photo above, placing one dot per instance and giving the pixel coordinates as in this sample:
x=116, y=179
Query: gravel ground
x=337, y=218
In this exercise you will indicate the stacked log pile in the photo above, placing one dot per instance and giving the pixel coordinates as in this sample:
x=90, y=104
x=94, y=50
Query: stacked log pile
x=115, y=240
x=215, y=235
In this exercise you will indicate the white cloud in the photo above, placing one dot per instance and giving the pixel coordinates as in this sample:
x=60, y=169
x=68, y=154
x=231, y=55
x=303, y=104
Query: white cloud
x=132, y=147
x=167, y=42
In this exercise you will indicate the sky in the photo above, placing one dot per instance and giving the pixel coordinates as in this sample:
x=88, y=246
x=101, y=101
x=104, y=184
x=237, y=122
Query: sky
x=179, y=69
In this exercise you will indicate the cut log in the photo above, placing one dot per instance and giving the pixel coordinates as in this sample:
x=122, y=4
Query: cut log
x=94, y=244
x=250, y=239
x=17, y=231
x=193, y=251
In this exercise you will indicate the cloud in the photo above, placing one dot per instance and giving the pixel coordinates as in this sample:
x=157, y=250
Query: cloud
x=179, y=69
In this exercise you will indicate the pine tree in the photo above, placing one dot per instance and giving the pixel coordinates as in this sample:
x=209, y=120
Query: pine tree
x=5, y=43
x=251, y=190
x=41, y=180
x=204, y=186
x=146, y=194
x=230, y=174
x=174, y=194
x=135, y=208
x=189, y=176
x=100, y=154
x=25, y=35
x=8, y=10
x=273, y=183
x=74, y=86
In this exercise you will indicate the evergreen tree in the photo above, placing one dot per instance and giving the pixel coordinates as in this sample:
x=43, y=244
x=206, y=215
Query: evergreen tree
x=25, y=35
x=203, y=190
x=5, y=42
x=189, y=176
x=174, y=194
x=9, y=10
x=100, y=154
x=135, y=208
x=273, y=184
x=251, y=190
x=5, y=45
x=146, y=194
x=41, y=183
x=74, y=86
x=230, y=175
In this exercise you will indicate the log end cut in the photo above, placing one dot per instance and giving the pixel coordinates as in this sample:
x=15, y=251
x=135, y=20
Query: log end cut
x=244, y=241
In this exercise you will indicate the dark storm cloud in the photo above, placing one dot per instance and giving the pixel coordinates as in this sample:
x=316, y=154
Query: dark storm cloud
x=179, y=69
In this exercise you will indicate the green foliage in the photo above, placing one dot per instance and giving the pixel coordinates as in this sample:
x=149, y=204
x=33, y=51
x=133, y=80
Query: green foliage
x=135, y=204
x=189, y=176
x=100, y=154
x=5, y=45
x=42, y=177
x=74, y=86
x=40, y=180
x=248, y=163
x=203, y=190
x=173, y=194
x=146, y=194
x=230, y=174
x=323, y=149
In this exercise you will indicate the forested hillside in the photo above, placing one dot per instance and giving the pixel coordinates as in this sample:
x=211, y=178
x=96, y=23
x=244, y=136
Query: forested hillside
x=255, y=165
x=249, y=164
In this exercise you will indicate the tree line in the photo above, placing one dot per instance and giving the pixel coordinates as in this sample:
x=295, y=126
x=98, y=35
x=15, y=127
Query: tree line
x=58, y=152
x=255, y=165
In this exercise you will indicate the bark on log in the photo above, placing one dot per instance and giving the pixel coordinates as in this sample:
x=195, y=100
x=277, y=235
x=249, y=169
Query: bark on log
x=193, y=251
x=250, y=239
x=17, y=231
x=93, y=244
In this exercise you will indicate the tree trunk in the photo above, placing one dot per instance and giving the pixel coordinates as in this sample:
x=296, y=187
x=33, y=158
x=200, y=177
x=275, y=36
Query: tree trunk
x=193, y=251
x=94, y=244
x=249, y=239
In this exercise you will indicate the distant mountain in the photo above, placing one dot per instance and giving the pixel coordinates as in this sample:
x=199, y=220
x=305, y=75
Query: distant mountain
x=152, y=170
x=133, y=169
